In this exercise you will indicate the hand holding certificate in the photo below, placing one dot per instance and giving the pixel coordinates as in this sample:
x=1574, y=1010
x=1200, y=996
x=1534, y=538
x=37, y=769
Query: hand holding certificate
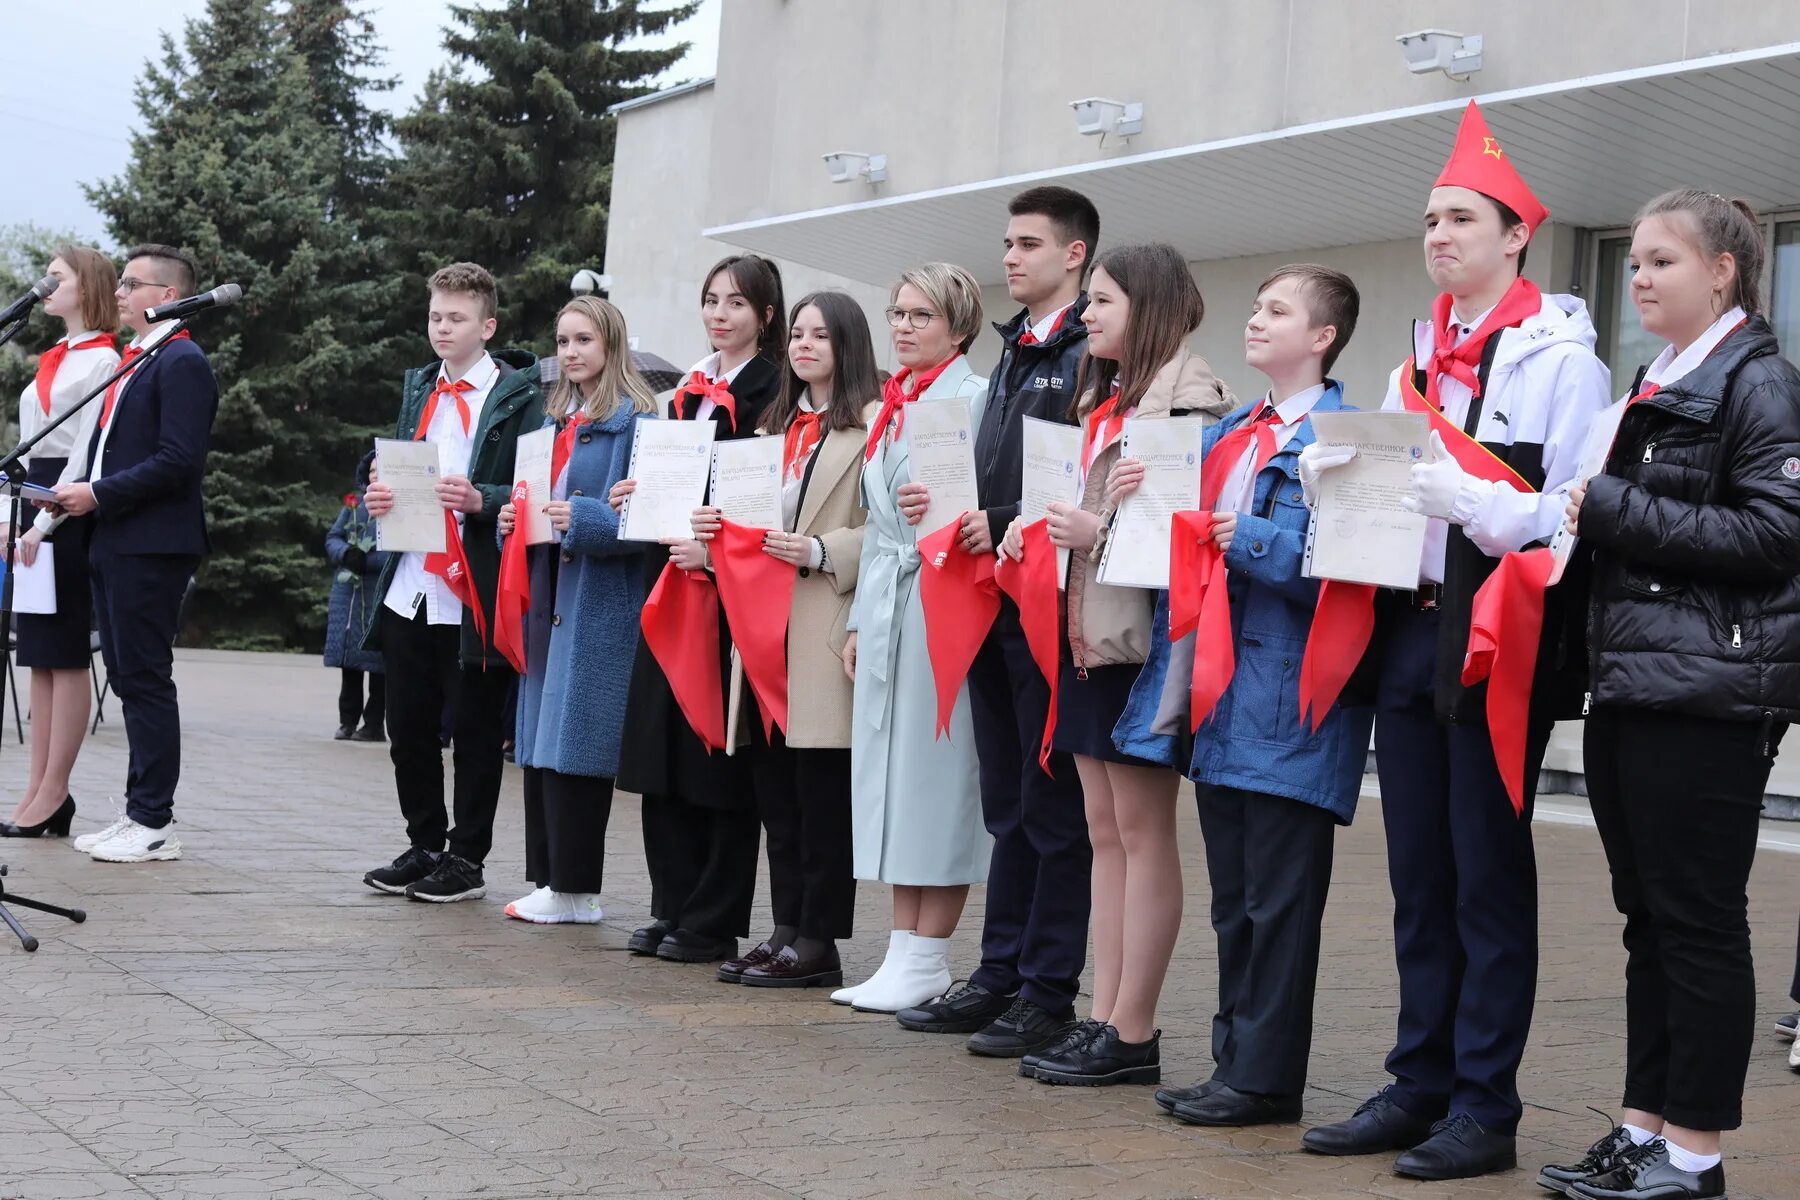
x=410, y=470
x=746, y=481
x=531, y=464
x=941, y=447
x=1137, y=549
x=1360, y=532
x=670, y=460
x=1052, y=475
x=1594, y=451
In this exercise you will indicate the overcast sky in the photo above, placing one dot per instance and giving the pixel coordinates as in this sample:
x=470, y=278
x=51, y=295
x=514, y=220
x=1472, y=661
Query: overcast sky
x=66, y=105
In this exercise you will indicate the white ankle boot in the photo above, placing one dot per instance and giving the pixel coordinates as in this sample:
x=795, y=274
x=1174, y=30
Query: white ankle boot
x=896, y=953
x=923, y=973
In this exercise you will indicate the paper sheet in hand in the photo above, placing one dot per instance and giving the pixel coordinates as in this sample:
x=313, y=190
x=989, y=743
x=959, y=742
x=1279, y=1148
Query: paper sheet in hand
x=34, y=587
x=1137, y=548
x=670, y=461
x=531, y=463
x=746, y=480
x=411, y=471
x=941, y=446
x=1360, y=533
x=1052, y=476
x=1594, y=451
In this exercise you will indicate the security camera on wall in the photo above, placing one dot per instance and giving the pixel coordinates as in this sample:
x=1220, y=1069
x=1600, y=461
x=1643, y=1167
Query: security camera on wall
x=847, y=165
x=1456, y=55
x=589, y=282
x=1098, y=116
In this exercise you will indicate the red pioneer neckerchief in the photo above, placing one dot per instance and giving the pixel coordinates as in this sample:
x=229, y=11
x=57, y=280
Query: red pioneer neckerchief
x=1029, y=338
x=757, y=590
x=698, y=387
x=564, y=446
x=1344, y=618
x=960, y=599
x=444, y=388
x=51, y=360
x=1198, y=599
x=803, y=434
x=1102, y=429
x=1031, y=582
x=680, y=620
x=900, y=390
x=131, y=354
x=512, y=596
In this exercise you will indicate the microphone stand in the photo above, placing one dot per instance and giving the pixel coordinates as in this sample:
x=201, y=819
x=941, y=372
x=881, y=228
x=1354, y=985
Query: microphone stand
x=11, y=476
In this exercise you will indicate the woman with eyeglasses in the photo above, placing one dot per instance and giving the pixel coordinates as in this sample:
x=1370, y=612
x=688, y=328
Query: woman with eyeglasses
x=915, y=797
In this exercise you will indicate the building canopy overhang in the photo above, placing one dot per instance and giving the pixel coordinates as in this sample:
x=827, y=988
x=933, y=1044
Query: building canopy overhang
x=1593, y=149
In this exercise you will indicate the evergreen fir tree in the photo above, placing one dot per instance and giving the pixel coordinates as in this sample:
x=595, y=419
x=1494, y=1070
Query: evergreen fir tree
x=230, y=161
x=508, y=154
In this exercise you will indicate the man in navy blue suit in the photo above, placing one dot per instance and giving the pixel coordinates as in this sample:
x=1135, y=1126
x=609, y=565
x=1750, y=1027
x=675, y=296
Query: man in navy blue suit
x=146, y=458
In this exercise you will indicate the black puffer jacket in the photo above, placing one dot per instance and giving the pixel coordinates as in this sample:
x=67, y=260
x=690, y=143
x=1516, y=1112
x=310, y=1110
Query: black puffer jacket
x=1695, y=601
x=1029, y=381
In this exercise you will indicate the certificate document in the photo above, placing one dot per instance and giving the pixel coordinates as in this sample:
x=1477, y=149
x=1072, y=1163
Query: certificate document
x=34, y=587
x=670, y=461
x=1594, y=451
x=1137, y=548
x=942, y=448
x=531, y=464
x=746, y=480
x=1052, y=475
x=411, y=471
x=1359, y=531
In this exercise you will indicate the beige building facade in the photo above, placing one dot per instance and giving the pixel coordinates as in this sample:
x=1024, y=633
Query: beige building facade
x=1272, y=132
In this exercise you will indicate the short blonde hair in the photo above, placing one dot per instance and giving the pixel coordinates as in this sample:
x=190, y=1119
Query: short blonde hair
x=953, y=292
x=469, y=279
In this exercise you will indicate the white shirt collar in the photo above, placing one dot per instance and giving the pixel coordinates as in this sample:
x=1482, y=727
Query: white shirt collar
x=154, y=334
x=1297, y=406
x=1464, y=329
x=709, y=367
x=481, y=376
x=1041, y=330
x=806, y=401
x=1669, y=366
x=77, y=335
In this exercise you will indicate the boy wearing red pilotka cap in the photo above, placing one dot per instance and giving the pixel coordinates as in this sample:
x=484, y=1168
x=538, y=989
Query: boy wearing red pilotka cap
x=1509, y=380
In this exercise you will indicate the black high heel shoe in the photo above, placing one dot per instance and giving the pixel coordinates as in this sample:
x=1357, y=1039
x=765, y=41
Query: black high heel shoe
x=55, y=825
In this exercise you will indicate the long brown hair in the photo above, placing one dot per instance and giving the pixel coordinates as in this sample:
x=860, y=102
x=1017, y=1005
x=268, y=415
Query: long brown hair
x=98, y=282
x=1165, y=308
x=759, y=280
x=618, y=381
x=854, y=381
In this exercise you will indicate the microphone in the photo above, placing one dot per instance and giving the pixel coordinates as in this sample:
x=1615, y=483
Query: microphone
x=22, y=305
x=220, y=297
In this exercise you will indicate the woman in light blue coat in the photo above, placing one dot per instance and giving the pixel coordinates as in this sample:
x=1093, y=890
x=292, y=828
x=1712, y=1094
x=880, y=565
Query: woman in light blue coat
x=915, y=797
x=581, y=628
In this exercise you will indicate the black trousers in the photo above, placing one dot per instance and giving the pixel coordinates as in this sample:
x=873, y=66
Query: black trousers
x=1034, y=939
x=565, y=829
x=702, y=865
x=424, y=673
x=137, y=604
x=1464, y=877
x=803, y=798
x=1677, y=800
x=1269, y=859
x=352, y=709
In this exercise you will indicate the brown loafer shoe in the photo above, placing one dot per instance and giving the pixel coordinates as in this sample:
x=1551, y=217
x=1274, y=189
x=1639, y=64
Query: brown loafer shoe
x=787, y=969
x=729, y=972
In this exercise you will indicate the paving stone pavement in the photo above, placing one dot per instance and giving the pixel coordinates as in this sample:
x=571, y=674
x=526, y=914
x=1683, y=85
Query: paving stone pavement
x=253, y=1022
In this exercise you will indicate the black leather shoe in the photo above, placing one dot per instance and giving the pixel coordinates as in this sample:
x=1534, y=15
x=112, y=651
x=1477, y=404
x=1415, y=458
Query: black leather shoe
x=684, y=945
x=55, y=825
x=1082, y=1031
x=1103, y=1059
x=1168, y=1097
x=1226, y=1107
x=1645, y=1173
x=1379, y=1125
x=1459, y=1148
x=344, y=733
x=732, y=970
x=787, y=969
x=645, y=941
x=369, y=733
x=1022, y=1028
x=963, y=1009
x=1602, y=1157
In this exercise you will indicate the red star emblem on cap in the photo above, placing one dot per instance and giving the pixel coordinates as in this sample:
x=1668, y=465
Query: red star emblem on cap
x=1490, y=146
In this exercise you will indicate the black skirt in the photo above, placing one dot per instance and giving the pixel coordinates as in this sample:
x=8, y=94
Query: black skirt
x=1088, y=708
x=59, y=641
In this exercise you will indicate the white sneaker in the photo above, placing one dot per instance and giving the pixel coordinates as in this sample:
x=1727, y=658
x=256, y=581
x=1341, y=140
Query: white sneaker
x=922, y=974
x=137, y=843
x=87, y=841
x=545, y=907
x=896, y=953
x=1794, y=1056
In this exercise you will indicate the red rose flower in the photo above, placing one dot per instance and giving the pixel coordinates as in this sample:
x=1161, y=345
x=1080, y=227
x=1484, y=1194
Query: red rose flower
x=349, y=499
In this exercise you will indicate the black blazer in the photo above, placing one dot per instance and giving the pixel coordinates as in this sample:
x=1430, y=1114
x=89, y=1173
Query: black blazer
x=148, y=498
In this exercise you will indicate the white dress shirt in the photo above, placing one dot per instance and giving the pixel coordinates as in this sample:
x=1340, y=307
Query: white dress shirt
x=1041, y=330
x=80, y=373
x=145, y=340
x=1239, y=492
x=1454, y=395
x=709, y=367
x=412, y=584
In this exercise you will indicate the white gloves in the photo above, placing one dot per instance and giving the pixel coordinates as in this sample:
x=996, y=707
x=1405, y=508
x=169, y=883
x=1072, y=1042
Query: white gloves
x=1442, y=489
x=1315, y=460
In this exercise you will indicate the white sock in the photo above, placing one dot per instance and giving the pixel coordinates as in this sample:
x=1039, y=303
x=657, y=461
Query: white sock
x=1639, y=1135
x=1687, y=1160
